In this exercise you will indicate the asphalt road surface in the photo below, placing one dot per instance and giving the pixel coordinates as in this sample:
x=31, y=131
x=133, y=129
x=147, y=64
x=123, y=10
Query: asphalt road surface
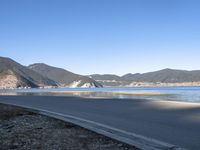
x=172, y=122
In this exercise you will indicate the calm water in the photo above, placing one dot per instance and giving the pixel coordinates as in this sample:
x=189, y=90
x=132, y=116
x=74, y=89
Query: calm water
x=187, y=94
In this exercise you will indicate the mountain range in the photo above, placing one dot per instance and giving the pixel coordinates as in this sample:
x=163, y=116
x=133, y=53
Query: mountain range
x=15, y=75
x=161, y=77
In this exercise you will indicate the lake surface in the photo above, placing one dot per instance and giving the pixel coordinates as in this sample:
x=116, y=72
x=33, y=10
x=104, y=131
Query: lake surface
x=186, y=94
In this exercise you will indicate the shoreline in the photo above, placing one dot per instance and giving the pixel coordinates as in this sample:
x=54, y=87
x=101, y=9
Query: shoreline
x=160, y=100
x=140, y=86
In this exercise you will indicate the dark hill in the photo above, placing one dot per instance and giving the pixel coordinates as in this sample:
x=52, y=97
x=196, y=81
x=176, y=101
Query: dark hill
x=64, y=77
x=13, y=75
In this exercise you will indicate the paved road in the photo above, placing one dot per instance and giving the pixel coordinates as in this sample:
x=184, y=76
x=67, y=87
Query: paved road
x=174, y=123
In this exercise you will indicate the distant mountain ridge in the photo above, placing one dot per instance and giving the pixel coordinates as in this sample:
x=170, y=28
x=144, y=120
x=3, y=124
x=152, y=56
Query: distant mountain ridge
x=170, y=76
x=14, y=75
x=63, y=77
x=165, y=76
x=105, y=77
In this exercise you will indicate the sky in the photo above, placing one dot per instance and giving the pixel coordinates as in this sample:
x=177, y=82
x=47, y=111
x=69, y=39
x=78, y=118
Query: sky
x=102, y=36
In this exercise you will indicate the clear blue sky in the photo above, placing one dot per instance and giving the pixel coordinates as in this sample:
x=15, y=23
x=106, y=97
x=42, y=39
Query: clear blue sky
x=102, y=36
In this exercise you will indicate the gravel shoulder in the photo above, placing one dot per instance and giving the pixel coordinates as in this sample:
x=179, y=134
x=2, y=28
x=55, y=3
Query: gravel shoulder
x=22, y=129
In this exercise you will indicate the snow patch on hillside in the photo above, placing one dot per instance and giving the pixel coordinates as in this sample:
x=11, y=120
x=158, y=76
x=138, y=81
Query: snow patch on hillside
x=78, y=84
x=75, y=84
x=88, y=85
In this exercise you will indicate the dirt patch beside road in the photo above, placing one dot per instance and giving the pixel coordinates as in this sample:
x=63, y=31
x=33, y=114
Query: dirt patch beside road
x=21, y=129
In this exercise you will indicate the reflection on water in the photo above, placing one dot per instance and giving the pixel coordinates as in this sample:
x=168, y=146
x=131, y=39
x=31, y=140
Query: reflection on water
x=188, y=94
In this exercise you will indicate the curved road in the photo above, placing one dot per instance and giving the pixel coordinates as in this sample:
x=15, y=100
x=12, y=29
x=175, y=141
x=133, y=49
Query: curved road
x=171, y=122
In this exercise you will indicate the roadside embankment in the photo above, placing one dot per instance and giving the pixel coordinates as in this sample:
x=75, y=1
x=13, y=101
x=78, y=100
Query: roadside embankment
x=22, y=129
